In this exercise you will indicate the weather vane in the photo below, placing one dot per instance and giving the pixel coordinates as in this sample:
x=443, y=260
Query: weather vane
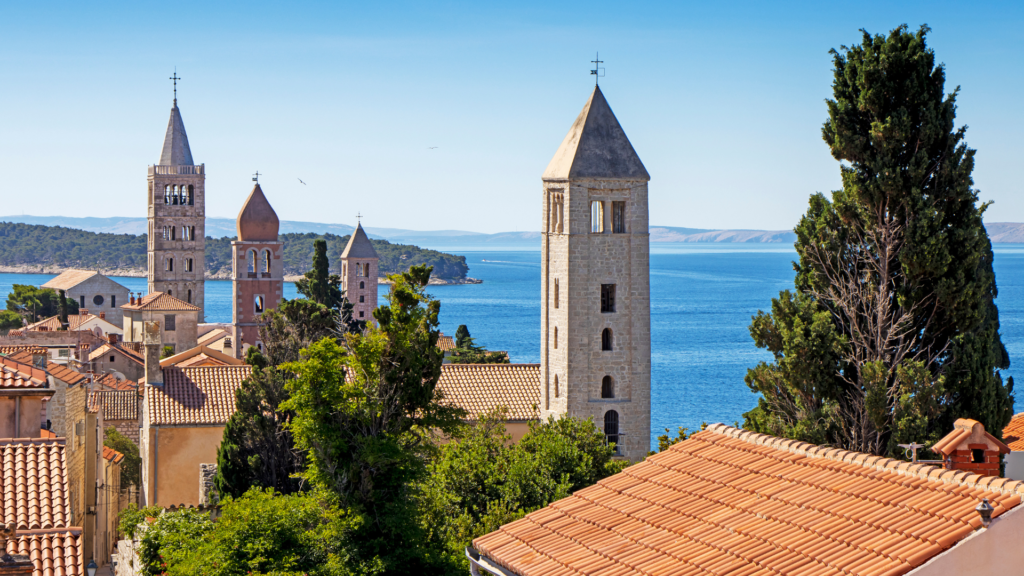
x=598, y=71
x=256, y=177
x=175, y=77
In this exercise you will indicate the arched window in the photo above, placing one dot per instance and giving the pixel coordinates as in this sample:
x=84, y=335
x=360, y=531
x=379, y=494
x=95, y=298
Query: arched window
x=362, y=284
x=367, y=271
x=606, y=339
x=188, y=264
x=252, y=262
x=258, y=304
x=556, y=337
x=174, y=196
x=170, y=267
x=173, y=233
x=190, y=296
x=169, y=293
x=362, y=298
x=607, y=387
x=266, y=262
x=611, y=428
x=556, y=385
x=167, y=194
x=191, y=195
x=359, y=269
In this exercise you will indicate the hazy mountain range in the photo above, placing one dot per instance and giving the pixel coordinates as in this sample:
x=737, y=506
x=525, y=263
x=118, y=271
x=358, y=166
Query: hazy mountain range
x=1000, y=232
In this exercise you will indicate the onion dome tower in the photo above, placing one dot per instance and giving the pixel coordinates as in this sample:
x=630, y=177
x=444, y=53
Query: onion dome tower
x=258, y=272
x=359, y=274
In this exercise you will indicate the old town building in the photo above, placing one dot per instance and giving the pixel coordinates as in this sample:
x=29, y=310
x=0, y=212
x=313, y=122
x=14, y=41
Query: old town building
x=257, y=278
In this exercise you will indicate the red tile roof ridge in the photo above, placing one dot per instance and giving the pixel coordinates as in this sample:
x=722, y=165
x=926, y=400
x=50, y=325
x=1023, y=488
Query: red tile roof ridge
x=870, y=461
x=54, y=530
x=34, y=441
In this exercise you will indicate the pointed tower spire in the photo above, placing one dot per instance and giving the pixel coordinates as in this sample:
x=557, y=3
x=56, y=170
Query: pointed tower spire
x=359, y=245
x=257, y=220
x=176, y=151
x=596, y=147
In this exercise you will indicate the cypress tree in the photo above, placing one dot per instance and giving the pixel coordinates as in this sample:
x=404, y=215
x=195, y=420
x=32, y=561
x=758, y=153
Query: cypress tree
x=892, y=331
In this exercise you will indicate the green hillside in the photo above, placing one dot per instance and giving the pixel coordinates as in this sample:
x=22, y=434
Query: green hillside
x=36, y=245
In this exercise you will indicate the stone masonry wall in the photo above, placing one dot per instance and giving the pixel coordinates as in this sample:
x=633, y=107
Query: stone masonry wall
x=351, y=280
x=128, y=428
x=178, y=281
x=206, y=487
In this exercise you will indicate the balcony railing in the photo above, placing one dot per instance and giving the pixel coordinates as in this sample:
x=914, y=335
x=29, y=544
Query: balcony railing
x=158, y=169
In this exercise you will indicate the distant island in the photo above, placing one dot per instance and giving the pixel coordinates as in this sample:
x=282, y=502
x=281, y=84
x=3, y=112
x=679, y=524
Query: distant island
x=999, y=232
x=35, y=248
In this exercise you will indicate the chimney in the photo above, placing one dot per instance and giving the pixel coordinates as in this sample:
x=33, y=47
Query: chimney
x=39, y=359
x=971, y=449
x=112, y=339
x=153, y=344
x=131, y=299
x=227, y=347
x=83, y=311
x=103, y=315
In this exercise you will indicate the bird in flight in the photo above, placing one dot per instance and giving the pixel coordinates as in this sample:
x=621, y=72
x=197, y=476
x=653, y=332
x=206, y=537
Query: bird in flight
x=303, y=183
x=431, y=147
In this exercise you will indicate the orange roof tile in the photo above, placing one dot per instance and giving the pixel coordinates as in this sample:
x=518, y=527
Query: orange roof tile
x=480, y=388
x=112, y=455
x=7, y=350
x=730, y=501
x=1013, y=434
x=75, y=321
x=966, y=430
x=161, y=301
x=62, y=373
x=14, y=374
x=68, y=279
x=195, y=395
x=445, y=343
x=111, y=382
x=116, y=404
x=35, y=483
x=110, y=348
x=53, y=552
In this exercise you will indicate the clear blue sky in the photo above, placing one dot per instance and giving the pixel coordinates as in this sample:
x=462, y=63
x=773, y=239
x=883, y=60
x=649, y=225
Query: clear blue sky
x=723, y=101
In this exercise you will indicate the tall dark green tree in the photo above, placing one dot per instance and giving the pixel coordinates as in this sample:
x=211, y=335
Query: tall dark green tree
x=319, y=285
x=63, y=307
x=892, y=331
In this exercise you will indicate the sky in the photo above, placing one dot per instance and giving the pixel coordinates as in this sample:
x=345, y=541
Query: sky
x=443, y=115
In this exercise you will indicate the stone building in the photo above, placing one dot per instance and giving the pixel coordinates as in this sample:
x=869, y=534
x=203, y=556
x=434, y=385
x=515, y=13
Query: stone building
x=595, y=281
x=177, y=218
x=178, y=320
x=257, y=269
x=92, y=290
x=359, y=271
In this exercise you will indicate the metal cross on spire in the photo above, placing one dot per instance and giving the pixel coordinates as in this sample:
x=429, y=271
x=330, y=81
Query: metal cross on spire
x=175, y=77
x=359, y=217
x=598, y=71
x=256, y=177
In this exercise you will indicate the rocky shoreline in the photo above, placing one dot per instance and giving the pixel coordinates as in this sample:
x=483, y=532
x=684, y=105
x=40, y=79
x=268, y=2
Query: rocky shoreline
x=221, y=274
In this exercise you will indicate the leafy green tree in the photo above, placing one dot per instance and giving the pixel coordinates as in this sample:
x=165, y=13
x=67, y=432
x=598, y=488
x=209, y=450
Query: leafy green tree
x=318, y=284
x=462, y=337
x=9, y=321
x=129, y=519
x=170, y=539
x=257, y=448
x=468, y=352
x=36, y=303
x=131, y=466
x=482, y=480
x=892, y=331
x=266, y=533
x=365, y=412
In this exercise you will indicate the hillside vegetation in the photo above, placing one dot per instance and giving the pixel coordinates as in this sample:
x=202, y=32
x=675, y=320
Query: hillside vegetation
x=37, y=245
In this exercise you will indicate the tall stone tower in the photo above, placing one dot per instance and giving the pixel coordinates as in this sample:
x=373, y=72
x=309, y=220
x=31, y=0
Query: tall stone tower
x=595, y=282
x=177, y=218
x=359, y=274
x=257, y=269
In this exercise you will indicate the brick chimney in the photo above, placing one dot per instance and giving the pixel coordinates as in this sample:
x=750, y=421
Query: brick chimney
x=112, y=339
x=103, y=315
x=154, y=346
x=971, y=449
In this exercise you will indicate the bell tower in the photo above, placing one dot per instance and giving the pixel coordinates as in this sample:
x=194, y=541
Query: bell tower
x=359, y=264
x=257, y=269
x=177, y=218
x=595, y=282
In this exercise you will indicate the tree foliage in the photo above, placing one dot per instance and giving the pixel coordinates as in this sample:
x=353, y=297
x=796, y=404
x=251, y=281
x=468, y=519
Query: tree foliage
x=467, y=351
x=131, y=465
x=892, y=331
x=318, y=284
x=365, y=411
x=36, y=303
x=10, y=321
x=481, y=480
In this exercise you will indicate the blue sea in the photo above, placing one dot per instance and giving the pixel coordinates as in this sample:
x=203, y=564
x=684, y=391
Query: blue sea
x=702, y=299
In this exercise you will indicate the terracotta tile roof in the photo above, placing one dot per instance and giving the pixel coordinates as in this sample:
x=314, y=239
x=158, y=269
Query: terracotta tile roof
x=7, y=350
x=731, y=501
x=964, y=430
x=445, y=343
x=213, y=338
x=160, y=301
x=107, y=349
x=69, y=279
x=111, y=382
x=62, y=373
x=200, y=356
x=35, y=483
x=195, y=395
x=14, y=374
x=479, y=388
x=75, y=321
x=54, y=552
x=1013, y=434
x=116, y=404
x=112, y=455
x=93, y=402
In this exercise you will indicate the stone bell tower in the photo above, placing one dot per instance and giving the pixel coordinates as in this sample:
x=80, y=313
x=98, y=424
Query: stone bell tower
x=177, y=218
x=257, y=269
x=359, y=263
x=595, y=282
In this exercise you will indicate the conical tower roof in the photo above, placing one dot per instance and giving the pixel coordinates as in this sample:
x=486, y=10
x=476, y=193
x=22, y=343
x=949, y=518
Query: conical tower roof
x=359, y=245
x=176, y=151
x=257, y=222
x=596, y=147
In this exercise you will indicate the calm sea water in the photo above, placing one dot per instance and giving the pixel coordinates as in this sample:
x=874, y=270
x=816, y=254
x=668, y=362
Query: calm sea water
x=702, y=298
